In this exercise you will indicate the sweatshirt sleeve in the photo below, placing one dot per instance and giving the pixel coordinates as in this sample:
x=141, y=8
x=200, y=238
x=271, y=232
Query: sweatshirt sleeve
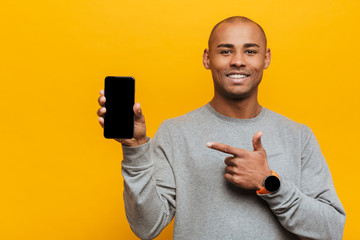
x=312, y=210
x=149, y=185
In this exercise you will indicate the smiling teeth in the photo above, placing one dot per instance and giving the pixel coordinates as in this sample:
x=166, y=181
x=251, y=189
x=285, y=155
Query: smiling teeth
x=237, y=76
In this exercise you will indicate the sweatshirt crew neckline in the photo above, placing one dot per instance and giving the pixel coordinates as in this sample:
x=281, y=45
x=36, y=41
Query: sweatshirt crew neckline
x=224, y=118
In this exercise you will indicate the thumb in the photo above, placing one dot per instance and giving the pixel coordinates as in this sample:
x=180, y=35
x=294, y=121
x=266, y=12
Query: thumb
x=257, y=142
x=137, y=112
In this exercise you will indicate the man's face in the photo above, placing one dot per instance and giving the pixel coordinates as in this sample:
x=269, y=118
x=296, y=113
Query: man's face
x=237, y=58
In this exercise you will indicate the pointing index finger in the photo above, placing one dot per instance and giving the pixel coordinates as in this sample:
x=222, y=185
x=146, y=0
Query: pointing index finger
x=225, y=148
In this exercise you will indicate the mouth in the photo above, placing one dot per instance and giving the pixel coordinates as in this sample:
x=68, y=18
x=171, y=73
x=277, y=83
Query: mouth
x=237, y=77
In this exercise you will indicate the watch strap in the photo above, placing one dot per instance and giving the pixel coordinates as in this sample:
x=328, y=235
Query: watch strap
x=263, y=190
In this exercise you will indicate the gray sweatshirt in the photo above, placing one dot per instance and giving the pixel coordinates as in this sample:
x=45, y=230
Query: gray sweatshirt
x=176, y=174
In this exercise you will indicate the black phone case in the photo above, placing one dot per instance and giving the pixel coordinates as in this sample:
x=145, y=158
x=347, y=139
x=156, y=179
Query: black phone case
x=119, y=116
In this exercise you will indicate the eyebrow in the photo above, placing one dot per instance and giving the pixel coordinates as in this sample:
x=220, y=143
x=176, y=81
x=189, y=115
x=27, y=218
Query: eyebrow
x=228, y=45
x=247, y=45
x=225, y=45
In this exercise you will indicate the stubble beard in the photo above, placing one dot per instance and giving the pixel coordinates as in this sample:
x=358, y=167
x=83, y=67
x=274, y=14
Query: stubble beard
x=227, y=93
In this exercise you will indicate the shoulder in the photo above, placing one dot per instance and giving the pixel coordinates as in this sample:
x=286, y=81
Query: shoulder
x=191, y=118
x=287, y=126
x=284, y=122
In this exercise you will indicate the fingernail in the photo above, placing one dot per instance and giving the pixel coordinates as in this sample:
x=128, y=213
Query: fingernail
x=209, y=144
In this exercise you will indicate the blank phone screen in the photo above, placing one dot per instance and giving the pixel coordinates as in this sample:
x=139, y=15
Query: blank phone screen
x=119, y=116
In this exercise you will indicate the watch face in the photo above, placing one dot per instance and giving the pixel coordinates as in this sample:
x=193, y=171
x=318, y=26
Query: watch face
x=272, y=183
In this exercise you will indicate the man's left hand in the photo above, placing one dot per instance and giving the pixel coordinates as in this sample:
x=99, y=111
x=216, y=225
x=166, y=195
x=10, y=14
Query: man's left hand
x=245, y=169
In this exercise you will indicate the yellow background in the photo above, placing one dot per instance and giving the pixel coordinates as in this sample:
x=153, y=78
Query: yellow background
x=60, y=179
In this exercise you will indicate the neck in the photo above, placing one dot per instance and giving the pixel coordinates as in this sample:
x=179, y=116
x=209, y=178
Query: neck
x=235, y=108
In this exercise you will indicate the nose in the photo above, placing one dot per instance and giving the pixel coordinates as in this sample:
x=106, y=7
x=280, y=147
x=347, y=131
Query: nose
x=238, y=60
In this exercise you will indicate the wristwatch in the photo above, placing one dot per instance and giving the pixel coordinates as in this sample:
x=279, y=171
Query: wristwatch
x=271, y=184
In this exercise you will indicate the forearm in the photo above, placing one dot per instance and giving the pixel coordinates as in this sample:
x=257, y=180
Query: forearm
x=149, y=204
x=307, y=217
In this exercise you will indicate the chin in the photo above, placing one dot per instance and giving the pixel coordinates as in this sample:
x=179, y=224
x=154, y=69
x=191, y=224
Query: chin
x=240, y=95
x=235, y=96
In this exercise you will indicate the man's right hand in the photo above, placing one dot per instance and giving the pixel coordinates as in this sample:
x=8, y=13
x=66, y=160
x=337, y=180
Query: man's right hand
x=139, y=123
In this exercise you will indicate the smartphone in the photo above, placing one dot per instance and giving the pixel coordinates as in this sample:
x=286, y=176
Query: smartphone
x=119, y=116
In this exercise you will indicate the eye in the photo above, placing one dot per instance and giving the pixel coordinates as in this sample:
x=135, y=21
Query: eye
x=225, y=52
x=251, y=51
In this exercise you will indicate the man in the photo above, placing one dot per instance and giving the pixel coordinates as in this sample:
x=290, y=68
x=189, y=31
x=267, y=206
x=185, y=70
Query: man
x=277, y=186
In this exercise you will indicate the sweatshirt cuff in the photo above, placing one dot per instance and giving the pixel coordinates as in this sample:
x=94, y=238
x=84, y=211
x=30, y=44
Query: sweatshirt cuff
x=136, y=156
x=287, y=191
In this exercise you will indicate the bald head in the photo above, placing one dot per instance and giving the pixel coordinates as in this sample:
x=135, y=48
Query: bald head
x=235, y=19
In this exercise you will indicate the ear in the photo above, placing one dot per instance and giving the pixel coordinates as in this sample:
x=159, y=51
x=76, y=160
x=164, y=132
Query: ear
x=206, y=59
x=267, y=58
